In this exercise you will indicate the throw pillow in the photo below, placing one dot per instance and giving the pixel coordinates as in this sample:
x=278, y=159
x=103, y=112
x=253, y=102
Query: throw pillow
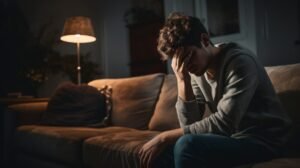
x=78, y=105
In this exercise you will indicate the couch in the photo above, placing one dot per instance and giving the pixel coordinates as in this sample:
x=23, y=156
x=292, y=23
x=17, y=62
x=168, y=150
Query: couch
x=142, y=107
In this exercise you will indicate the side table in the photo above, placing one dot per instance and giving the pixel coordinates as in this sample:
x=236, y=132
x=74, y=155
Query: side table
x=5, y=127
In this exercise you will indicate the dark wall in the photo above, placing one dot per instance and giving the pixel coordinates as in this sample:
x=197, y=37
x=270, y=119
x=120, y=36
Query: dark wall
x=14, y=37
x=278, y=31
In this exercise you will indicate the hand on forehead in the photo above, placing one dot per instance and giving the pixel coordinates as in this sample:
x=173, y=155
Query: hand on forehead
x=183, y=54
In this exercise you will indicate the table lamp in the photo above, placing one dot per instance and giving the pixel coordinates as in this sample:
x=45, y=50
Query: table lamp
x=78, y=30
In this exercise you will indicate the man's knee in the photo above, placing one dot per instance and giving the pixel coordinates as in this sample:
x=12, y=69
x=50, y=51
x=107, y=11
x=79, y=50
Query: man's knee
x=187, y=153
x=184, y=145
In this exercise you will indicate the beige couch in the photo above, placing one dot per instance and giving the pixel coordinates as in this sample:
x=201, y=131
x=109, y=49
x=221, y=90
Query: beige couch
x=142, y=107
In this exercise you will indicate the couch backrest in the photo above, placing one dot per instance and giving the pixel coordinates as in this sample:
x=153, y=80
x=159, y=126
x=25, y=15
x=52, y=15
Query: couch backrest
x=149, y=101
x=133, y=99
x=165, y=116
x=286, y=82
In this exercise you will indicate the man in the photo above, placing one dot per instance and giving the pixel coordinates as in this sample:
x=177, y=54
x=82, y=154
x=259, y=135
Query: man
x=247, y=123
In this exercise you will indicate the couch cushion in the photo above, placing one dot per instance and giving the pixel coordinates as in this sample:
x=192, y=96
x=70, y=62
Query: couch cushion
x=60, y=144
x=280, y=163
x=286, y=81
x=133, y=99
x=115, y=149
x=165, y=116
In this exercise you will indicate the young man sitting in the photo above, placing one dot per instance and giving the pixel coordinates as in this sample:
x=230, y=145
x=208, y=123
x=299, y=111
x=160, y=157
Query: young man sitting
x=247, y=123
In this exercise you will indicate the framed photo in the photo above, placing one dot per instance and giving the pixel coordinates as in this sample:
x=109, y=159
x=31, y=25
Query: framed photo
x=224, y=20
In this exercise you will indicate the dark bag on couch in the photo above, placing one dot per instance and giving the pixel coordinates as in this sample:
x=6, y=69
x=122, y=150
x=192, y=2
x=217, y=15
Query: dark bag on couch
x=78, y=105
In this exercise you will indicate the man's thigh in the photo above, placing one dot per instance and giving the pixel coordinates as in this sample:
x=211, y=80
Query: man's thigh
x=216, y=150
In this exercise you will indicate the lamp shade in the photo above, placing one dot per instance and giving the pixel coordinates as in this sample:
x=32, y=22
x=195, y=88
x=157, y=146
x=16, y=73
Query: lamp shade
x=78, y=29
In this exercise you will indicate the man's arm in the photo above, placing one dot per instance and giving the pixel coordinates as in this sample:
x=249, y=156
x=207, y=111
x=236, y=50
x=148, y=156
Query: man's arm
x=190, y=111
x=240, y=85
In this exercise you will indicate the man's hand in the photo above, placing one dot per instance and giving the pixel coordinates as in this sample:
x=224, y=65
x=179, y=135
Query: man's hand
x=151, y=150
x=179, y=66
x=155, y=146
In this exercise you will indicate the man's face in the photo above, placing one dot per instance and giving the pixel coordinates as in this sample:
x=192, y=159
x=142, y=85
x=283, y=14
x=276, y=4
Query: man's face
x=196, y=60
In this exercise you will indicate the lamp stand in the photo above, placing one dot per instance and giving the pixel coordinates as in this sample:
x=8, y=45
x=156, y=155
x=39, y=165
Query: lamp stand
x=78, y=65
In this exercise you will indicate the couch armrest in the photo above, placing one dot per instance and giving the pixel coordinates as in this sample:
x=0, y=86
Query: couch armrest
x=26, y=113
x=19, y=114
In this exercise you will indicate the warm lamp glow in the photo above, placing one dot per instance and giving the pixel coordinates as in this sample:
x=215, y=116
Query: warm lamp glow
x=78, y=30
x=77, y=38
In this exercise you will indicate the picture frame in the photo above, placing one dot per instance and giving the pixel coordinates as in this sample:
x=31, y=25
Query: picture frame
x=223, y=22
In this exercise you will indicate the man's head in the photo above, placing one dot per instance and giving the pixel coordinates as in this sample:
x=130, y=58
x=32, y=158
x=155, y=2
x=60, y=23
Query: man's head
x=185, y=39
x=180, y=31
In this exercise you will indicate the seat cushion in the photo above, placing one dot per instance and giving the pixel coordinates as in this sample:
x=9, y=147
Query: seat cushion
x=165, y=116
x=60, y=144
x=25, y=160
x=133, y=99
x=280, y=163
x=115, y=149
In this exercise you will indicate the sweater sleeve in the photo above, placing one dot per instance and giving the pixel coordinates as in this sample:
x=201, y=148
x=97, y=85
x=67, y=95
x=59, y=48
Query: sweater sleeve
x=241, y=80
x=189, y=112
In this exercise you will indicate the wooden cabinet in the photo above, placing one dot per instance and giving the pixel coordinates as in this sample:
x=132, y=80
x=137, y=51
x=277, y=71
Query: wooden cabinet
x=144, y=57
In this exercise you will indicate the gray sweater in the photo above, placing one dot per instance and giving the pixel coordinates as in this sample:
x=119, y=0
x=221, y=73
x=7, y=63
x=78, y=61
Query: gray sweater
x=241, y=98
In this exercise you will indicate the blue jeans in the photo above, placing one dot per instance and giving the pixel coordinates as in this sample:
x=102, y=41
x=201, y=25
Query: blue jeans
x=213, y=151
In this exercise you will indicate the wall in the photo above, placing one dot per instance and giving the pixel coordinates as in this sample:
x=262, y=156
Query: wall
x=278, y=31
x=114, y=36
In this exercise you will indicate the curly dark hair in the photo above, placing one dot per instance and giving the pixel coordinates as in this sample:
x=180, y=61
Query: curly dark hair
x=178, y=31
